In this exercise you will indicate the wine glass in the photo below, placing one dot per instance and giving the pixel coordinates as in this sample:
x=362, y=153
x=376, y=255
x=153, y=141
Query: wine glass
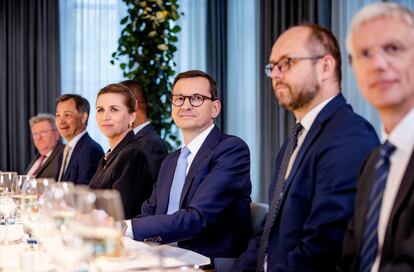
x=6, y=179
x=5, y=185
x=110, y=202
x=102, y=229
x=43, y=185
x=59, y=203
x=23, y=191
x=7, y=208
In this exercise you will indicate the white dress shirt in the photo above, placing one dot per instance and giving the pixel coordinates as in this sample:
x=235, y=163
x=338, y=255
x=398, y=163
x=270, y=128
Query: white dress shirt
x=194, y=146
x=402, y=137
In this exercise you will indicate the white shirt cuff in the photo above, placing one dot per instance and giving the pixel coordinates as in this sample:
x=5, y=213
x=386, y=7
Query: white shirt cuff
x=128, y=231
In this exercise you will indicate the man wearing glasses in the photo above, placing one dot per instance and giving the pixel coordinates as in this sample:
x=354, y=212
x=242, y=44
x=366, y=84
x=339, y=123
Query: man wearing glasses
x=201, y=200
x=312, y=191
x=49, y=147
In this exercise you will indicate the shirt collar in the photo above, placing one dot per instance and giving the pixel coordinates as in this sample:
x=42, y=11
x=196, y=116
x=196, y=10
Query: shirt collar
x=139, y=127
x=309, y=117
x=72, y=143
x=196, y=143
x=402, y=136
x=49, y=153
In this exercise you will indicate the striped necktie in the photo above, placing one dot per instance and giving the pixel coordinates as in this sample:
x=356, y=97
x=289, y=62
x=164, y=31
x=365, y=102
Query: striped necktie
x=370, y=235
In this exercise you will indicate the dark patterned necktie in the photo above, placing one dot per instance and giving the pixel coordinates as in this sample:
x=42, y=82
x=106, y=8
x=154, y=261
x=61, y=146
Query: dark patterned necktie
x=277, y=196
x=370, y=234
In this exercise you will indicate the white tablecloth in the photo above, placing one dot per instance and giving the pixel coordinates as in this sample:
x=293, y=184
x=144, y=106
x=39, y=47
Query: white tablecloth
x=18, y=256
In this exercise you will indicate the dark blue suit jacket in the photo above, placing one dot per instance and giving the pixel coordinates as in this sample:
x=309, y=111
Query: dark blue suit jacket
x=318, y=202
x=83, y=161
x=153, y=147
x=397, y=253
x=214, y=217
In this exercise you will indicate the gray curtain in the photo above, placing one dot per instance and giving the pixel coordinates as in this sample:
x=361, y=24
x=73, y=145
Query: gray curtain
x=217, y=50
x=29, y=74
x=276, y=123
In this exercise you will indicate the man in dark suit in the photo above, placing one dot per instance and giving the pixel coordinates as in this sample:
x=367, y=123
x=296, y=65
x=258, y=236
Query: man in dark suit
x=81, y=154
x=149, y=140
x=313, y=188
x=380, y=237
x=201, y=200
x=49, y=147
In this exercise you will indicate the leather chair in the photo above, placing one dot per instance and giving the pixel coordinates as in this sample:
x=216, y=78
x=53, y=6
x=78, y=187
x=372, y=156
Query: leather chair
x=258, y=212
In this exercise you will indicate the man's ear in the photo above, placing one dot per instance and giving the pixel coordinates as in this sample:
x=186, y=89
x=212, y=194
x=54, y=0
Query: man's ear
x=84, y=118
x=328, y=67
x=216, y=108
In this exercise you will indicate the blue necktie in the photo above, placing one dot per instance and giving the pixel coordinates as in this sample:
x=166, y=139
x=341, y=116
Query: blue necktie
x=370, y=234
x=178, y=181
x=277, y=196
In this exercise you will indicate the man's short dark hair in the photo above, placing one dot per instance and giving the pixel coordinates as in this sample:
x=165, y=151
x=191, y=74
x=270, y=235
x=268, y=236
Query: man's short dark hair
x=198, y=73
x=82, y=105
x=323, y=38
x=139, y=92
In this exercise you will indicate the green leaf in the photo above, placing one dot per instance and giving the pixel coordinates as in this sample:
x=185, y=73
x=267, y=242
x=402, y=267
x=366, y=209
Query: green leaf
x=147, y=47
x=124, y=20
x=176, y=29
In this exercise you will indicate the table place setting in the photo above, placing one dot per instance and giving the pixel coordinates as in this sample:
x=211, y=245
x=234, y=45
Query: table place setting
x=57, y=226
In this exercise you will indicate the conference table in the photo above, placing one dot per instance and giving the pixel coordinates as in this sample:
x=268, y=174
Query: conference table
x=21, y=254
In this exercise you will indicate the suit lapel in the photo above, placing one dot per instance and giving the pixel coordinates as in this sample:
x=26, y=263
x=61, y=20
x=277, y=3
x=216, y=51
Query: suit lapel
x=52, y=156
x=365, y=180
x=405, y=191
x=324, y=115
x=32, y=162
x=74, y=156
x=165, y=181
x=114, y=153
x=201, y=156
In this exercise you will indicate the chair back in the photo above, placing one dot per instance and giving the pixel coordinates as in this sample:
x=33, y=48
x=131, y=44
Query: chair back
x=258, y=212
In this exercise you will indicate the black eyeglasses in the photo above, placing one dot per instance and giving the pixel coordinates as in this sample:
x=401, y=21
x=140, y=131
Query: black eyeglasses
x=285, y=63
x=196, y=100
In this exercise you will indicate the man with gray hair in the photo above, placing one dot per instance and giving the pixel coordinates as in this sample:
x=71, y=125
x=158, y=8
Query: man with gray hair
x=49, y=147
x=380, y=237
